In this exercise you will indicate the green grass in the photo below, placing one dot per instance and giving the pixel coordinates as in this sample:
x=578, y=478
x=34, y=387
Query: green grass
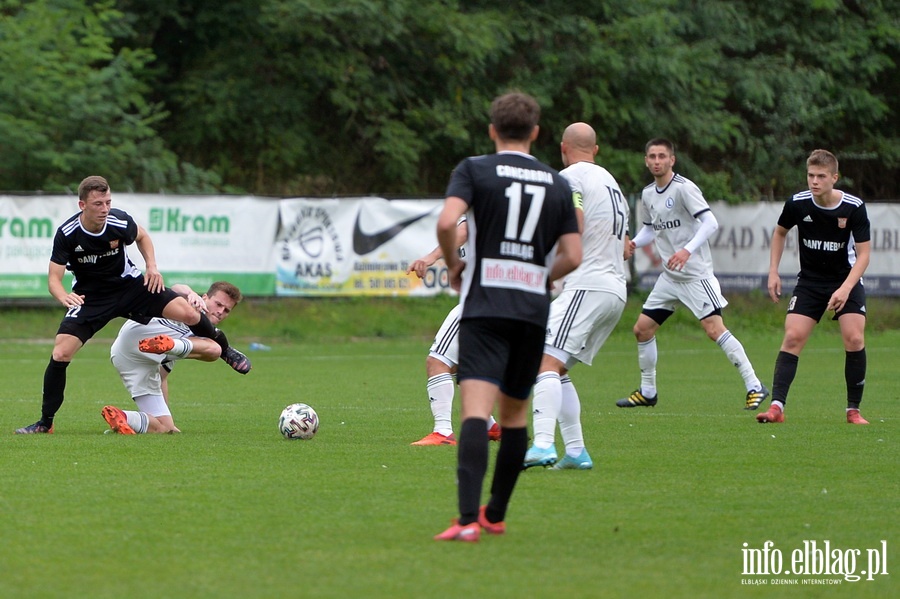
x=229, y=509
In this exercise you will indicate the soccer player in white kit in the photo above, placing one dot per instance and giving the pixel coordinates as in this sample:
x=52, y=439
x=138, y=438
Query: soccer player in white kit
x=443, y=356
x=677, y=216
x=144, y=355
x=589, y=307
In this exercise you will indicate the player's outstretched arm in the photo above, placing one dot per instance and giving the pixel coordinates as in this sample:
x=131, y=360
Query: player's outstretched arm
x=420, y=265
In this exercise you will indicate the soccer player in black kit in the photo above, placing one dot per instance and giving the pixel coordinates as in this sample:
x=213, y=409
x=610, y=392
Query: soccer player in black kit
x=834, y=242
x=517, y=209
x=107, y=284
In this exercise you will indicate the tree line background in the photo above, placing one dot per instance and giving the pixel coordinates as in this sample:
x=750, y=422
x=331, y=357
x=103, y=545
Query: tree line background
x=331, y=97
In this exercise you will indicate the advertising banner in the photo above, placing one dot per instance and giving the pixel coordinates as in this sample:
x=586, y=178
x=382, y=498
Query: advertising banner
x=202, y=239
x=363, y=246
x=358, y=246
x=197, y=240
x=27, y=227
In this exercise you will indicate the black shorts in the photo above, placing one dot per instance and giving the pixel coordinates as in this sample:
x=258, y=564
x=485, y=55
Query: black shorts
x=502, y=351
x=128, y=300
x=810, y=298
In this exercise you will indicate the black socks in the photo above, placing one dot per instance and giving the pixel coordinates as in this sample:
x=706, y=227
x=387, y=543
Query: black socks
x=472, y=451
x=54, y=390
x=785, y=371
x=855, y=375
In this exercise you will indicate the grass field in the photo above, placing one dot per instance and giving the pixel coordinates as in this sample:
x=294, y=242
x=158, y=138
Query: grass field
x=229, y=509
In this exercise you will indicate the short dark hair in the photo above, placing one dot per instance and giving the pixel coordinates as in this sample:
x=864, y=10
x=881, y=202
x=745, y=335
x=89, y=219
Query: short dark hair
x=515, y=115
x=227, y=288
x=89, y=184
x=660, y=141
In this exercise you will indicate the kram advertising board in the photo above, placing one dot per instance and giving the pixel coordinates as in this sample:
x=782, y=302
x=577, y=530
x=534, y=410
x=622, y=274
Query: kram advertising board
x=197, y=240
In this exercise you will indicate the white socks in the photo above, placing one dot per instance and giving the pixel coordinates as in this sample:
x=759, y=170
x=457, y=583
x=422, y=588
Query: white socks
x=182, y=348
x=440, y=393
x=736, y=354
x=138, y=421
x=546, y=405
x=441, y=389
x=570, y=419
x=556, y=400
x=647, y=358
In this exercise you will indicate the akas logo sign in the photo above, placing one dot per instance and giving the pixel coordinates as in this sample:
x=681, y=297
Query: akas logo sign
x=311, y=252
x=353, y=246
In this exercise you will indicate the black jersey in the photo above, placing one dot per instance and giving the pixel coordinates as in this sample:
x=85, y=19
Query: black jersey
x=98, y=260
x=826, y=235
x=518, y=209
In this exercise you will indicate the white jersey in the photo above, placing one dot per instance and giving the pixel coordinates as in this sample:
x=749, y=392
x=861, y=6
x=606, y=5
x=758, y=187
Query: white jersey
x=672, y=212
x=606, y=213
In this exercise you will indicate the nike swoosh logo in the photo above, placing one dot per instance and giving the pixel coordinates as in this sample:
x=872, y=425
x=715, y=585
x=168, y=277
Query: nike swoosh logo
x=363, y=243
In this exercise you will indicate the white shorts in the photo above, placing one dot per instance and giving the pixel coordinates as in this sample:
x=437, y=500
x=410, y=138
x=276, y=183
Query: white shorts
x=580, y=321
x=446, y=343
x=139, y=371
x=155, y=405
x=702, y=297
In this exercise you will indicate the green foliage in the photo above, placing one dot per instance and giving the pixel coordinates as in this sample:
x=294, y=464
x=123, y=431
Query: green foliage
x=72, y=104
x=290, y=97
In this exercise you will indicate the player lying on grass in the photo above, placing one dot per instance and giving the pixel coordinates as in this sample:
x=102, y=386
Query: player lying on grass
x=145, y=354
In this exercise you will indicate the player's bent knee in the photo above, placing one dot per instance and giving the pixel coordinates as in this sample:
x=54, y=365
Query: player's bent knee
x=855, y=343
x=793, y=343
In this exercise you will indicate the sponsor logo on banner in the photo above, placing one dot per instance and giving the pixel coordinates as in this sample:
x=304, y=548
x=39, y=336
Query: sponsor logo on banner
x=365, y=243
x=363, y=246
x=173, y=220
x=511, y=274
x=311, y=251
x=356, y=247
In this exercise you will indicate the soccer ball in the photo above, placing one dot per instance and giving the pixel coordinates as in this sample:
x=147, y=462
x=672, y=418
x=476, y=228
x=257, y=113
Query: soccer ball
x=298, y=421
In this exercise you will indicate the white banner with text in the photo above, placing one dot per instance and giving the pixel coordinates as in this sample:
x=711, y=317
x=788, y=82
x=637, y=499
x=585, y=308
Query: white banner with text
x=362, y=246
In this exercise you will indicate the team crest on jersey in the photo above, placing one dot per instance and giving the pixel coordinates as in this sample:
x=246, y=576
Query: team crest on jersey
x=670, y=203
x=115, y=243
x=842, y=223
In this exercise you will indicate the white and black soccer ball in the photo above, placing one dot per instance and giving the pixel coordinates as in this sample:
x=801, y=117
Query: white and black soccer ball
x=298, y=421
